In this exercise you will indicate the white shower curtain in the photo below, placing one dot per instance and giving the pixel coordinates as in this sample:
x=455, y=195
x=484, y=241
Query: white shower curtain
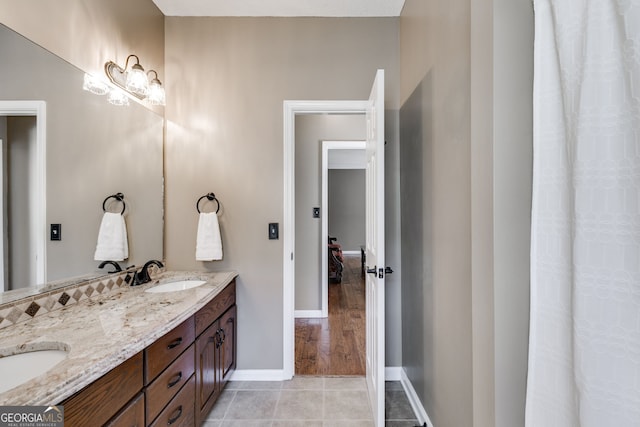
x=584, y=348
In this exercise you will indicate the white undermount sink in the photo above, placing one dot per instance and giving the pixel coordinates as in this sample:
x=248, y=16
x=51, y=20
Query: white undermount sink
x=19, y=368
x=177, y=285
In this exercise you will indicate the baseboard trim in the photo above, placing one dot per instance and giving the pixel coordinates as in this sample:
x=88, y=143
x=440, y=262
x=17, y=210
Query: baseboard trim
x=308, y=314
x=393, y=373
x=258, y=375
x=414, y=400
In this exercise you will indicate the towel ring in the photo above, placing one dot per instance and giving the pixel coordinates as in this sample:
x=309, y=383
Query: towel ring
x=119, y=197
x=211, y=197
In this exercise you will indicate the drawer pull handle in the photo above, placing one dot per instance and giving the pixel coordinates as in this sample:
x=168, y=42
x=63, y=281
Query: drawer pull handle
x=174, y=418
x=175, y=380
x=174, y=343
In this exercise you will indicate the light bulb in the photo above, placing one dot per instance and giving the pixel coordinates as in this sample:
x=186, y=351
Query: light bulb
x=118, y=97
x=156, y=94
x=137, y=81
x=95, y=85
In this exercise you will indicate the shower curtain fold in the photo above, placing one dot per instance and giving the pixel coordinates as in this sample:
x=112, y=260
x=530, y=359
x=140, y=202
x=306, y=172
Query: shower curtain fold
x=584, y=345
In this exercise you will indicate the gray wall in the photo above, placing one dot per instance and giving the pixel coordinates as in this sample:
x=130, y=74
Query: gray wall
x=466, y=186
x=227, y=79
x=347, y=207
x=311, y=130
x=21, y=144
x=513, y=168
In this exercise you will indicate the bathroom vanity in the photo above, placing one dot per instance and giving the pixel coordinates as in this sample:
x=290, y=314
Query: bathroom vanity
x=135, y=357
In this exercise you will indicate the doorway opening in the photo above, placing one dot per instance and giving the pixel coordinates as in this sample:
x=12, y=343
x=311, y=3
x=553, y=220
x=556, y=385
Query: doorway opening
x=331, y=340
x=373, y=109
x=291, y=110
x=23, y=201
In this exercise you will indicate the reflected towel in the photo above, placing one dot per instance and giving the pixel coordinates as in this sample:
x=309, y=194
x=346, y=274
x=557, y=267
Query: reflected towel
x=112, y=239
x=208, y=242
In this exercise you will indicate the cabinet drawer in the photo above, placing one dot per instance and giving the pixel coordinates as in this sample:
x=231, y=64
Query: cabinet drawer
x=163, y=388
x=180, y=411
x=167, y=349
x=215, y=308
x=131, y=416
x=116, y=388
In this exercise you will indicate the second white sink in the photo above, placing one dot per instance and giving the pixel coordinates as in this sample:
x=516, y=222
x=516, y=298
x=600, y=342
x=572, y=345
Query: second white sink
x=178, y=285
x=19, y=368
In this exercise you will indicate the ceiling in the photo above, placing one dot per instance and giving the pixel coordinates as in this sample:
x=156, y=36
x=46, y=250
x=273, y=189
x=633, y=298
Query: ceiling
x=325, y=8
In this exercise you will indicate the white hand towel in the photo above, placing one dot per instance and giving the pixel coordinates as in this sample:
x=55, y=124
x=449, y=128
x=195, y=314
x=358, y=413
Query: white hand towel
x=208, y=242
x=112, y=239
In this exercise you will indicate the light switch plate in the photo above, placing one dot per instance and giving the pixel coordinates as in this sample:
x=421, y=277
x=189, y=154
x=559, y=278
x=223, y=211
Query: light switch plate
x=273, y=231
x=56, y=231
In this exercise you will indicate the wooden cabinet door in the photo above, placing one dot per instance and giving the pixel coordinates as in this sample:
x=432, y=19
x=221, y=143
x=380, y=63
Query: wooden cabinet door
x=103, y=398
x=207, y=375
x=228, y=346
x=131, y=415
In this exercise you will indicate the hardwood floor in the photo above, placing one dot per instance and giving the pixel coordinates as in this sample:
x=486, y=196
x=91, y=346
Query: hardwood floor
x=336, y=345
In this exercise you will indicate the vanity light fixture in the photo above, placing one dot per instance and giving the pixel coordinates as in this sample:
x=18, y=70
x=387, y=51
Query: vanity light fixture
x=156, y=95
x=135, y=82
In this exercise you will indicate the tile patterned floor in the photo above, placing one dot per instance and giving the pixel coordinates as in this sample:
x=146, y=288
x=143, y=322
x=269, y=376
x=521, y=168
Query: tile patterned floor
x=306, y=402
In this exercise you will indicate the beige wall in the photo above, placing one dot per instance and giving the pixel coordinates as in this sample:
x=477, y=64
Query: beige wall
x=512, y=178
x=227, y=79
x=466, y=74
x=88, y=33
x=435, y=53
x=347, y=206
x=310, y=131
x=21, y=144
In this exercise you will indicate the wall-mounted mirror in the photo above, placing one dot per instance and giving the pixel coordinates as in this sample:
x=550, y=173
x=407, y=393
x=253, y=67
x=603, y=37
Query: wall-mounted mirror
x=93, y=150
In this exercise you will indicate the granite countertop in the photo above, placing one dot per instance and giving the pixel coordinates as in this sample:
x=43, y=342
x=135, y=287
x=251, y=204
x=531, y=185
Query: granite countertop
x=101, y=333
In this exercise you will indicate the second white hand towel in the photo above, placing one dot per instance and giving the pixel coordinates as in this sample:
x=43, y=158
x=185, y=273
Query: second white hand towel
x=112, y=239
x=208, y=241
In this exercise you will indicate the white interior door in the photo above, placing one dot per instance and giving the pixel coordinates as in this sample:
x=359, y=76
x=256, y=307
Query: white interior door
x=375, y=248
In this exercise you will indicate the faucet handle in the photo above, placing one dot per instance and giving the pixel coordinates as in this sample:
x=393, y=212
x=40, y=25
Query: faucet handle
x=115, y=265
x=142, y=276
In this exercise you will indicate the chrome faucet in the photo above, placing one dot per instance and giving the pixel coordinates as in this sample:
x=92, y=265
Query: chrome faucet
x=142, y=276
x=113, y=263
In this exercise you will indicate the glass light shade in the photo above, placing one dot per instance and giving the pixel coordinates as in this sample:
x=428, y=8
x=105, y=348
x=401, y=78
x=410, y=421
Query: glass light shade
x=118, y=97
x=156, y=95
x=137, y=81
x=95, y=85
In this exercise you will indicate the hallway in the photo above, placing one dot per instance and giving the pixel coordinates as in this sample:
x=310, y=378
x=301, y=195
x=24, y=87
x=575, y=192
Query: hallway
x=335, y=345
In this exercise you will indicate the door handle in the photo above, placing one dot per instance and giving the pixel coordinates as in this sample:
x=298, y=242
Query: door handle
x=373, y=270
x=388, y=270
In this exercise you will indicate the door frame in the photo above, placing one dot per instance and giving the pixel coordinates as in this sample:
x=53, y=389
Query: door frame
x=290, y=110
x=39, y=165
x=324, y=208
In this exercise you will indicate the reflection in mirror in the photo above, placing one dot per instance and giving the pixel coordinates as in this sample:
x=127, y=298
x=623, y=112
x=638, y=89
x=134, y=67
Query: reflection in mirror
x=93, y=149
